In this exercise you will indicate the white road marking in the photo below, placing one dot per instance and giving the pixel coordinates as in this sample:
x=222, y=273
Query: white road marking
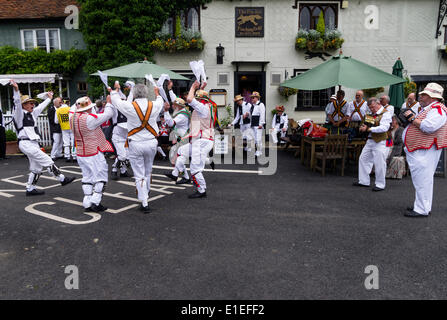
x=31, y=209
x=216, y=170
x=4, y=193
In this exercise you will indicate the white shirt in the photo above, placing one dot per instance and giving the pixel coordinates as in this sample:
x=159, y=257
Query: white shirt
x=390, y=109
x=414, y=108
x=259, y=110
x=200, y=108
x=133, y=121
x=354, y=115
x=239, y=117
x=432, y=122
x=284, y=120
x=27, y=132
x=344, y=110
x=180, y=121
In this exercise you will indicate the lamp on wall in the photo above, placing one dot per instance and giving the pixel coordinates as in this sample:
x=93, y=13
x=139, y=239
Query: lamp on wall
x=220, y=53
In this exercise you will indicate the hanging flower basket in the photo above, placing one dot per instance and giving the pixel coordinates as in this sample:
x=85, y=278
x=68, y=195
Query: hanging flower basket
x=186, y=40
x=314, y=41
x=287, y=92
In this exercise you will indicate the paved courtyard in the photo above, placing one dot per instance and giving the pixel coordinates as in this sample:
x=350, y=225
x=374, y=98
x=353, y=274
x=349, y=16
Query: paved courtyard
x=291, y=235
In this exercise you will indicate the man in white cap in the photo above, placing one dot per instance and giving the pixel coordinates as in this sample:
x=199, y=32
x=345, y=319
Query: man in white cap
x=91, y=145
x=25, y=121
x=180, y=123
x=202, y=136
x=243, y=118
x=412, y=104
x=257, y=120
x=328, y=108
x=375, y=151
x=280, y=124
x=424, y=139
x=142, y=125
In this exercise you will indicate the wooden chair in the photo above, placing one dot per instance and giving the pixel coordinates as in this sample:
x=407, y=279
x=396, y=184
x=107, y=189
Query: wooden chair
x=334, y=148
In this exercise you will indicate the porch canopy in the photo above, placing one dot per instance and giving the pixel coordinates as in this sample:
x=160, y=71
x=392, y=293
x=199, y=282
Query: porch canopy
x=342, y=71
x=32, y=78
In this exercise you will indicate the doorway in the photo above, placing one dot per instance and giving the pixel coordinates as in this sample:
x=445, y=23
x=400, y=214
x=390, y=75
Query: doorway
x=245, y=82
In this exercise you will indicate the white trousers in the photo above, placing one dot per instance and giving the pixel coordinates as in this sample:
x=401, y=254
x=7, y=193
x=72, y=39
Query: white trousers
x=141, y=156
x=183, y=154
x=257, y=134
x=373, y=154
x=56, y=149
x=200, y=149
x=423, y=165
x=68, y=141
x=121, y=151
x=38, y=160
x=94, y=178
x=247, y=132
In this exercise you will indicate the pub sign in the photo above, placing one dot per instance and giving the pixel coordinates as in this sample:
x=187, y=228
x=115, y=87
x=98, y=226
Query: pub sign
x=250, y=22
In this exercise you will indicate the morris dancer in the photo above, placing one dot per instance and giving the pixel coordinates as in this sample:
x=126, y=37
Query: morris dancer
x=257, y=121
x=67, y=135
x=424, y=140
x=91, y=144
x=243, y=117
x=25, y=121
x=280, y=124
x=412, y=104
x=142, y=138
x=356, y=111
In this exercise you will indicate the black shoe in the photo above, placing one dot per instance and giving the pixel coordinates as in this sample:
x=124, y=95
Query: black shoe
x=67, y=180
x=146, y=209
x=74, y=160
x=35, y=192
x=125, y=175
x=171, y=176
x=98, y=208
x=114, y=175
x=88, y=209
x=375, y=189
x=67, y=160
x=212, y=165
x=197, y=194
x=356, y=184
x=414, y=214
x=183, y=181
x=411, y=209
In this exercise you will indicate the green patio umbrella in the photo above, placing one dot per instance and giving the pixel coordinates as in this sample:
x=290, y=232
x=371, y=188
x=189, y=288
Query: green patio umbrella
x=396, y=92
x=139, y=69
x=342, y=71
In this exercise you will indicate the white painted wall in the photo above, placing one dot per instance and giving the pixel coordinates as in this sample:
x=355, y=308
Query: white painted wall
x=406, y=30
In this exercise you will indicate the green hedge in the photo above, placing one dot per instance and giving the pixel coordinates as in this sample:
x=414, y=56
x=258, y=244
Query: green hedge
x=16, y=61
x=10, y=135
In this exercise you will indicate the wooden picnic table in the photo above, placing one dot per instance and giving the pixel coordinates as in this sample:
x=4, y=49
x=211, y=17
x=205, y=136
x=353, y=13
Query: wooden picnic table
x=356, y=144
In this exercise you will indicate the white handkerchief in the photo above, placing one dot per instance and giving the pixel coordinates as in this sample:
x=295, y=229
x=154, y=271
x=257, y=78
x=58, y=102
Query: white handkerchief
x=43, y=95
x=4, y=82
x=162, y=79
x=195, y=69
x=104, y=78
x=130, y=84
x=201, y=64
x=122, y=95
x=150, y=79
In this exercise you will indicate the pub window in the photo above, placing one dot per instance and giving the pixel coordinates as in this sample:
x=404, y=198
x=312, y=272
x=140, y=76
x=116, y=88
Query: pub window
x=189, y=18
x=82, y=87
x=45, y=39
x=312, y=100
x=309, y=14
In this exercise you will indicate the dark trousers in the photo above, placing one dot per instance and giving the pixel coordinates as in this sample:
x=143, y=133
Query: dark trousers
x=2, y=142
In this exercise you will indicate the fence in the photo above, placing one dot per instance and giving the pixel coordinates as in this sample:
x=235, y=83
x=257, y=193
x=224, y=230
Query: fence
x=42, y=124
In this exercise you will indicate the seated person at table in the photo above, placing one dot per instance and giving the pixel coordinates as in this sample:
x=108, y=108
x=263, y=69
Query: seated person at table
x=280, y=124
x=338, y=113
x=395, y=161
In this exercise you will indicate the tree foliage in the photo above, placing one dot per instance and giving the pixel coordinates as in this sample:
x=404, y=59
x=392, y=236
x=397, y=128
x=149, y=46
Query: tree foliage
x=16, y=61
x=120, y=32
x=321, y=28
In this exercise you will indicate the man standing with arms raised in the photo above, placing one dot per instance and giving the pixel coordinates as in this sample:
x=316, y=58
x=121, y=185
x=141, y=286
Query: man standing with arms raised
x=142, y=125
x=424, y=140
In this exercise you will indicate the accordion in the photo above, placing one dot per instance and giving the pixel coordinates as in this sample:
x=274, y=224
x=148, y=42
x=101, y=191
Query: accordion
x=406, y=120
x=369, y=121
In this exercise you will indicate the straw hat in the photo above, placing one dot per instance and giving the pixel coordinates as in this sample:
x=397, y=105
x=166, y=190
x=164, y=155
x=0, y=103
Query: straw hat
x=202, y=94
x=433, y=90
x=238, y=97
x=255, y=94
x=25, y=99
x=180, y=102
x=83, y=104
x=280, y=108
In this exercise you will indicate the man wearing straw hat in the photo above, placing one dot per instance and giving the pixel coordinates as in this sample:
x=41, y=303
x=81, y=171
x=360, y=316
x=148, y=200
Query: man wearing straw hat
x=257, y=120
x=25, y=121
x=91, y=145
x=280, y=124
x=243, y=117
x=143, y=130
x=424, y=139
